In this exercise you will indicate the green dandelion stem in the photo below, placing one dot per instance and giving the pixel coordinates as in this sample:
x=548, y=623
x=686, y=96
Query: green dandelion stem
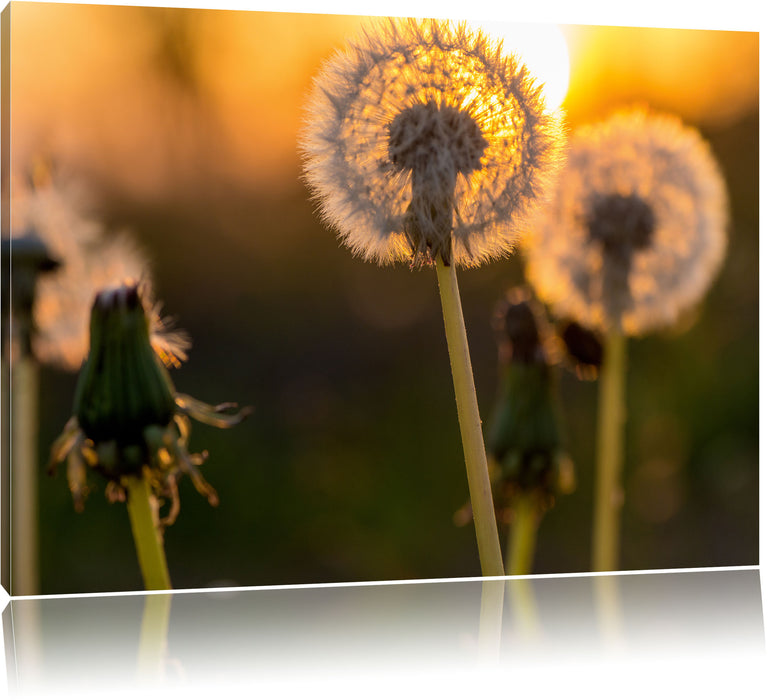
x=471, y=426
x=148, y=537
x=611, y=426
x=522, y=535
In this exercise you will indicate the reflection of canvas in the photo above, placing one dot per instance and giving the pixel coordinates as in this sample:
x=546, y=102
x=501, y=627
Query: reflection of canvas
x=262, y=638
x=176, y=147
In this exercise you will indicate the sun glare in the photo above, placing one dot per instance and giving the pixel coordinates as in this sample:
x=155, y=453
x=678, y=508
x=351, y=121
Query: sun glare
x=543, y=49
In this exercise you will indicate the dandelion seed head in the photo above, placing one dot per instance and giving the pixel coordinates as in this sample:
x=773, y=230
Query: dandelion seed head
x=635, y=230
x=424, y=138
x=90, y=259
x=437, y=139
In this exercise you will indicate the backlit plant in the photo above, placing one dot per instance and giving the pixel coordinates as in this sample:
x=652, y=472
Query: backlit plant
x=426, y=144
x=131, y=426
x=632, y=238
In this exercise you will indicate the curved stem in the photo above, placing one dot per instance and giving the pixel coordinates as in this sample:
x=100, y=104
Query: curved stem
x=483, y=511
x=522, y=536
x=148, y=537
x=611, y=425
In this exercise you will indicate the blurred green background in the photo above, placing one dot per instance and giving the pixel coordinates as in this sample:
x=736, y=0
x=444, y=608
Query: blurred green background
x=183, y=125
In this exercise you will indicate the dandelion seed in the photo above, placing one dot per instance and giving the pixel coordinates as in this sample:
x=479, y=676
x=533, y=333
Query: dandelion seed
x=636, y=229
x=425, y=140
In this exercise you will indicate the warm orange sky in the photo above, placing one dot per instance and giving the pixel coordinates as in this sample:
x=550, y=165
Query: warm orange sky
x=148, y=101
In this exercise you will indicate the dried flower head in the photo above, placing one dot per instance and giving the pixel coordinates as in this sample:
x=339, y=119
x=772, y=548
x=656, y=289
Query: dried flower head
x=89, y=259
x=582, y=348
x=636, y=229
x=423, y=139
x=128, y=419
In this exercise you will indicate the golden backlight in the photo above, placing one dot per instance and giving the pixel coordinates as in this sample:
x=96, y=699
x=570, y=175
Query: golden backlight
x=156, y=101
x=708, y=78
x=543, y=49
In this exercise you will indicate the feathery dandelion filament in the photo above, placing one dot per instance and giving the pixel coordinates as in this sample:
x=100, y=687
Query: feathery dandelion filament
x=424, y=138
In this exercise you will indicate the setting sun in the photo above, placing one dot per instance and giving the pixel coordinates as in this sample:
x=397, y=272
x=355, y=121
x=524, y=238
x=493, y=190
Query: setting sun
x=543, y=49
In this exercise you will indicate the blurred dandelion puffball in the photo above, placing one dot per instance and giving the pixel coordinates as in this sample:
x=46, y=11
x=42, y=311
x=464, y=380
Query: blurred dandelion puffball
x=424, y=139
x=89, y=260
x=635, y=230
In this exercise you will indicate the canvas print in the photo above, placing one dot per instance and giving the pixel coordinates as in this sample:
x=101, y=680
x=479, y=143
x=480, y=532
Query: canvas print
x=298, y=298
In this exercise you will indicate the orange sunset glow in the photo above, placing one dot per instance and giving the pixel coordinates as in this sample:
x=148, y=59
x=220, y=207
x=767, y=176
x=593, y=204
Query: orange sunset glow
x=146, y=96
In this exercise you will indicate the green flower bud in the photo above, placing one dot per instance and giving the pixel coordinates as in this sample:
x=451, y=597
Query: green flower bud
x=524, y=434
x=525, y=437
x=123, y=387
x=129, y=420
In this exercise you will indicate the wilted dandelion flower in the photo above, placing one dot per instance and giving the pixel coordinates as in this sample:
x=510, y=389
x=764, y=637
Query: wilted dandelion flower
x=424, y=140
x=581, y=349
x=528, y=464
x=636, y=228
x=89, y=260
x=129, y=421
x=525, y=437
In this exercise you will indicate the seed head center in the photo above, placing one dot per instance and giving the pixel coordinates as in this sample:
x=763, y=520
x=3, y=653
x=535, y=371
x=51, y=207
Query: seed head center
x=622, y=224
x=427, y=136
